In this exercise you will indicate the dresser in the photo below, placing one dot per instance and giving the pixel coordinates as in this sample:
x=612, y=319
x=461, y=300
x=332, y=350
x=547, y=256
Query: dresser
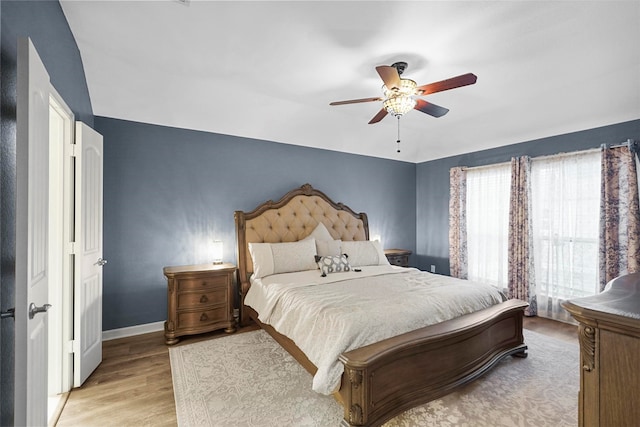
x=398, y=257
x=199, y=299
x=609, y=335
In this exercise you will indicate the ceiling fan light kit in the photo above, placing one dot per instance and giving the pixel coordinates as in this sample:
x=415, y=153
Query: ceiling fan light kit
x=398, y=100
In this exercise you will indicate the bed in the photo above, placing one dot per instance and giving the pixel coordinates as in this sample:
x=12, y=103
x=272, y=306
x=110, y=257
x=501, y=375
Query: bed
x=380, y=379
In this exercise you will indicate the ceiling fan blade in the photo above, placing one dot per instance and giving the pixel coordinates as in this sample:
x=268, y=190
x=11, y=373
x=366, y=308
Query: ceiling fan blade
x=430, y=109
x=452, y=83
x=389, y=76
x=355, y=101
x=381, y=115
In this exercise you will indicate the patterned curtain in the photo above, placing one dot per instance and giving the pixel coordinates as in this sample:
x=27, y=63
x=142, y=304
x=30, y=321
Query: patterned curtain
x=521, y=268
x=458, y=223
x=619, y=215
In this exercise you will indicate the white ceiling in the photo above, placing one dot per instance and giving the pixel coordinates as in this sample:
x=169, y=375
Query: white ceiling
x=268, y=70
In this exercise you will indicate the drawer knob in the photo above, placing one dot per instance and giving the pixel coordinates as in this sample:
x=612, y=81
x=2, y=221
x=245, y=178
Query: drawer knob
x=204, y=317
x=204, y=299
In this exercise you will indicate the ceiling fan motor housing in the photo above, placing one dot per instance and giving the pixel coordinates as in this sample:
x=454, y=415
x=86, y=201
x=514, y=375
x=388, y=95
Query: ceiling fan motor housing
x=400, y=66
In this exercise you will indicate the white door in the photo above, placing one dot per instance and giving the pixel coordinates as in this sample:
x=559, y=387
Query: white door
x=88, y=254
x=32, y=205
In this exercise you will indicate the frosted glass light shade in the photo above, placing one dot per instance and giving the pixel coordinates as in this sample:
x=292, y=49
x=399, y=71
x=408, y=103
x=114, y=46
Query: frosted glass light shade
x=399, y=105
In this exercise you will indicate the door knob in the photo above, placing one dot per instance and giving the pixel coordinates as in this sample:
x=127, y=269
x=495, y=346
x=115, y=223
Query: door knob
x=101, y=262
x=33, y=309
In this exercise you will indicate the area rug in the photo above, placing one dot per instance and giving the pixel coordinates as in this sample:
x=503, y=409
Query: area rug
x=247, y=379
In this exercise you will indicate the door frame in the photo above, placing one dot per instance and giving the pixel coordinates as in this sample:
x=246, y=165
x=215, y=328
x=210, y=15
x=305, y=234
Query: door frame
x=60, y=260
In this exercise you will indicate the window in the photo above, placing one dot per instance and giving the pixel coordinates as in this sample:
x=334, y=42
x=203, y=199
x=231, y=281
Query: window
x=566, y=211
x=488, y=223
x=565, y=203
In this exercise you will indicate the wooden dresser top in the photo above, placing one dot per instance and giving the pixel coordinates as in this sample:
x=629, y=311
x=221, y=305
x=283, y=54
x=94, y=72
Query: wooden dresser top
x=618, y=303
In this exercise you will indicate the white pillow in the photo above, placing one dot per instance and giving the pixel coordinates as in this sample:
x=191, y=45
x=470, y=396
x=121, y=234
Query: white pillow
x=364, y=252
x=274, y=258
x=329, y=247
x=325, y=245
x=320, y=233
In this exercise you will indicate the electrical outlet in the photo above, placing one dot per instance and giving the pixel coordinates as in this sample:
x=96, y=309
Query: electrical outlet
x=433, y=268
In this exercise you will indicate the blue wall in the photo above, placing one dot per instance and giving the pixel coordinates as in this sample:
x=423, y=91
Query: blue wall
x=432, y=186
x=46, y=25
x=169, y=192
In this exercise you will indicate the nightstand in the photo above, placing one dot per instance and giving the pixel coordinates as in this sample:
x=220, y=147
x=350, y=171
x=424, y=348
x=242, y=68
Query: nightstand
x=199, y=299
x=399, y=257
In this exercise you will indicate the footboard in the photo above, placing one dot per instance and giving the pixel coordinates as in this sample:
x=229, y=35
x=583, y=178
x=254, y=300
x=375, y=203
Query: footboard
x=384, y=379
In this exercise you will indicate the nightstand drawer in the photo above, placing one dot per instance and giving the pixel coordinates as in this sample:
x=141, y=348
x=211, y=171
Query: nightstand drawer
x=202, y=283
x=400, y=260
x=196, y=319
x=201, y=299
x=399, y=257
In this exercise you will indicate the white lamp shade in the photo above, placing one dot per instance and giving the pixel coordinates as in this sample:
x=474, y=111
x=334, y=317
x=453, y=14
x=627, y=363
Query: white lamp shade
x=217, y=251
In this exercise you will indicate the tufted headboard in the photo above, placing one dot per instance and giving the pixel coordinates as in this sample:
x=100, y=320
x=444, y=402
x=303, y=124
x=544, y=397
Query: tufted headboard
x=290, y=219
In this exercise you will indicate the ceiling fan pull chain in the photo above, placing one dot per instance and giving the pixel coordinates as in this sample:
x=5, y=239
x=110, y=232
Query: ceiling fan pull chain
x=398, y=141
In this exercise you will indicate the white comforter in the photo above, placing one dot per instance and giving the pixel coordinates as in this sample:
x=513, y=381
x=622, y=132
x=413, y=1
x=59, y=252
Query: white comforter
x=327, y=316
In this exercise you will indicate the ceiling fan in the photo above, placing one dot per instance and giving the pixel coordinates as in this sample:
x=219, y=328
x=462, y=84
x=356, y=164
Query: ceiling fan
x=402, y=95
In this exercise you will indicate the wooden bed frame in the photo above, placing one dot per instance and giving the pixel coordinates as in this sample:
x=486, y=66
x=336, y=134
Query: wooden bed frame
x=384, y=379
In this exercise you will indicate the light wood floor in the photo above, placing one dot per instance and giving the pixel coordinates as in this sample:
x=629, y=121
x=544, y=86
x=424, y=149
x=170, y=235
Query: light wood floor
x=133, y=386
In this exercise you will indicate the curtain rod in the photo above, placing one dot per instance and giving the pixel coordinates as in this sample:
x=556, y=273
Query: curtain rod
x=568, y=153
x=633, y=145
x=562, y=154
x=490, y=165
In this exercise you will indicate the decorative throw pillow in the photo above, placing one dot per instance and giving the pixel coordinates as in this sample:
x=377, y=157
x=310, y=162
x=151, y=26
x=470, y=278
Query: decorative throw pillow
x=364, y=252
x=274, y=258
x=332, y=264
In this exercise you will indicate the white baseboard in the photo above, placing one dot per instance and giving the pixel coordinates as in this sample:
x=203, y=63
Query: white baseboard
x=131, y=331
